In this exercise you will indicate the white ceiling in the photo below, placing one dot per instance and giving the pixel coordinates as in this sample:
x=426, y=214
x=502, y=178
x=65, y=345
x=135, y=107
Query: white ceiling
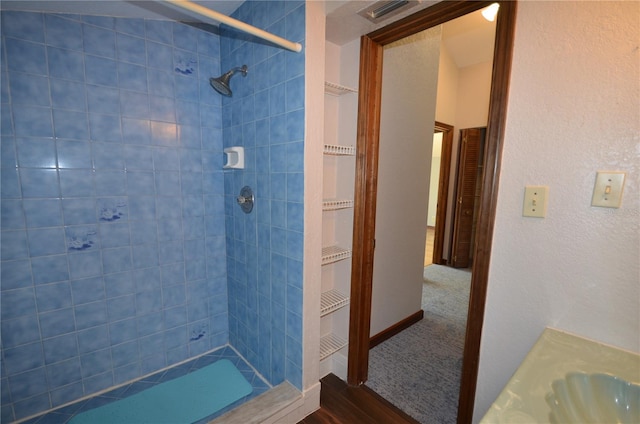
x=468, y=39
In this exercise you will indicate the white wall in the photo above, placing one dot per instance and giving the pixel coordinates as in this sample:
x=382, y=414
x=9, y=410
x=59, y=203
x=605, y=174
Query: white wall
x=573, y=110
x=434, y=180
x=410, y=71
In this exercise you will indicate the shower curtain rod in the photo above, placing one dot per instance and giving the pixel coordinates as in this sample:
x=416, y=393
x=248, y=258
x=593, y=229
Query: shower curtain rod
x=219, y=17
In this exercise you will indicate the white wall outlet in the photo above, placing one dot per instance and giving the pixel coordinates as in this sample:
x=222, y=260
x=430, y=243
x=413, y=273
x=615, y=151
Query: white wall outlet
x=535, y=201
x=607, y=191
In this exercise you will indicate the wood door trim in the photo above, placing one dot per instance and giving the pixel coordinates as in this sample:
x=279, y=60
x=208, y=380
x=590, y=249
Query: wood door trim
x=370, y=88
x=443, y=191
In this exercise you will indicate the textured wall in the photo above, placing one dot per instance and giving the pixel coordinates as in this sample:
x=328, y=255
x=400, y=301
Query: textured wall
x=265, y=248
x=111, y=165
x=573, y=110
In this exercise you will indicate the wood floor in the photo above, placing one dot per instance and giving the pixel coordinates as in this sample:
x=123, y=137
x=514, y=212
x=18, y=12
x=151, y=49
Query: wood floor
x=341, y=404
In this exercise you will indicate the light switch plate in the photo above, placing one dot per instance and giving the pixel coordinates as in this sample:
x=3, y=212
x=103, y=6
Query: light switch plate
x=607, y=191
x=535, y=201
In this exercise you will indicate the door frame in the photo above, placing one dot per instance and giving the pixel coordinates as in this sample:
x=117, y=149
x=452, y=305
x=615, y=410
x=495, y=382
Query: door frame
x=443, y=191
x=365, y=193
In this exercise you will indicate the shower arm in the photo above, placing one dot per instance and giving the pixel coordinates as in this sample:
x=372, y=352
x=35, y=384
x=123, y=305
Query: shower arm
x=219, y=17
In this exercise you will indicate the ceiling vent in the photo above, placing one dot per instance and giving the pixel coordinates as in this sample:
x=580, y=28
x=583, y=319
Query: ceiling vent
x=381, y=10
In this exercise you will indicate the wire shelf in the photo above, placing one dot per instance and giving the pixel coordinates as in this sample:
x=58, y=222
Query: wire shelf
x=335, y=204
x=333, y=254
x=337, y=150
x=330, y=344
x=337, y=89
x=331, y=301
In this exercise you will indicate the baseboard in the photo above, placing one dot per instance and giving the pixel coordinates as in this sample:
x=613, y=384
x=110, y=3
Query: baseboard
x=395, y=328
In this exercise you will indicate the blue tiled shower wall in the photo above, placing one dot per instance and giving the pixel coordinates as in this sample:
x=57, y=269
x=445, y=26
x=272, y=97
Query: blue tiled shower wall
x=119, y=226
x=265, y=248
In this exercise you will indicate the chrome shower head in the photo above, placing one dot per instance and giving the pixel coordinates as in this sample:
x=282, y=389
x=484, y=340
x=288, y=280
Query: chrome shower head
x=221, y=84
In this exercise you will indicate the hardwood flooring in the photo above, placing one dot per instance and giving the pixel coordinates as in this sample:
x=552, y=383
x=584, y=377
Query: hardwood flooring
x=342, y=404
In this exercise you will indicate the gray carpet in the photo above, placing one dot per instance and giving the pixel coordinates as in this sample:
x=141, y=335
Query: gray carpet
x=418, y=370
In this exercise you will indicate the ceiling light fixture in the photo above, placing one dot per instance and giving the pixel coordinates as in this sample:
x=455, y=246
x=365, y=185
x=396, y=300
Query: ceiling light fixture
x=490, y=12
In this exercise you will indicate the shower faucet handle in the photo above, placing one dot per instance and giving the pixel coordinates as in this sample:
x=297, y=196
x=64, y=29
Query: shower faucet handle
x=245, y=199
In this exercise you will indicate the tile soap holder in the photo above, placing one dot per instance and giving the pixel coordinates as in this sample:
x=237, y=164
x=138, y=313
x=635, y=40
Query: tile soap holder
x=234, y=157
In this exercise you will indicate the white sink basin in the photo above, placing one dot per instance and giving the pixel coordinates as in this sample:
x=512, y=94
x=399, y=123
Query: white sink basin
x=593, y=398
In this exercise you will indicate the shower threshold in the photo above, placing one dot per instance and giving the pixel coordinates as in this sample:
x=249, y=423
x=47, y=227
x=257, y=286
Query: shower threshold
x=265, y=404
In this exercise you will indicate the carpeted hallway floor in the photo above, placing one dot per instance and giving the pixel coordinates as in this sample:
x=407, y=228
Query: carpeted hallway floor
x=418, y=370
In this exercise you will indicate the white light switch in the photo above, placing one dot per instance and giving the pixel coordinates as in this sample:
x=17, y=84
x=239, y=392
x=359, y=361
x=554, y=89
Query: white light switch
x=607, y=191
x=535, y=201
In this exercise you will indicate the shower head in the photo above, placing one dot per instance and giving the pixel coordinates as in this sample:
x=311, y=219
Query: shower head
x=221, y=84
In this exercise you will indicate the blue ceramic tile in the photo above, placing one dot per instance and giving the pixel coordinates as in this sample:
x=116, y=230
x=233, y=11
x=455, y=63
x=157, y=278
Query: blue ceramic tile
x=99, y=41
x=124, y=353
x=160, y=31
x=18, y=303
x=32, y=405
x=82, y=238
x=159, y=56
x=85, y=264
x=87, y=290
x=103, y=99
x=60, y=348
x=142, y=208
x=149, y=324
x=11, y=215
x=118, y=284
x=99, y=21
x=279, y=186
x=145, y=255
x=143, y=232
x=26, y=26
x=90, y=314
x=68, y=95
x=263, y=132
x=130, y=26
x=295, y=125
x=279, y=214
x=136, y=131
x=121, y=308
x=23, y=358
x=116, y=260
x=101, y=71
x=295, y=23
x=130, y=49
x=295, y=216
x=32, y=121
x=295, y=156
x=66, y=64
x=193, y=225
x=62, y=396
x=140, y=183
x=29, y=89
x=185, y=37
x=112, y=209
x=170, y=252
x=277, y=99
x=71, y=125
x=148, y=301
x=64, y=373
x=76, y=183
x=56, y=323
x=192, y=183
x=167, y=183
x=295, y=245
x=295, y=64
x=8, y=152
x=166, y=159
x=134, y=105
x=36, y=153
x=171, y=229
x=295, y=94
x=163, y=134
x=51, y=297
x=186, y=88
x=42, y=212
x=25, y=56
x=73, y=154
x=169, y=207
x=160, y=82
x=64, y=33
x=28, y=384
x=95, y=363
x=19, y=331
x=46, y=241
x=138, y=158
x=187, y=113
x=16, y=274
x=79, y=211
x=39, y=182
x=49, y=269
x=295, y=187
x=147, y=279
x=162, y=109
x=105, y=127
x=278, y=240
x=132, y=77
x=110, y=183
x=190, y=136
